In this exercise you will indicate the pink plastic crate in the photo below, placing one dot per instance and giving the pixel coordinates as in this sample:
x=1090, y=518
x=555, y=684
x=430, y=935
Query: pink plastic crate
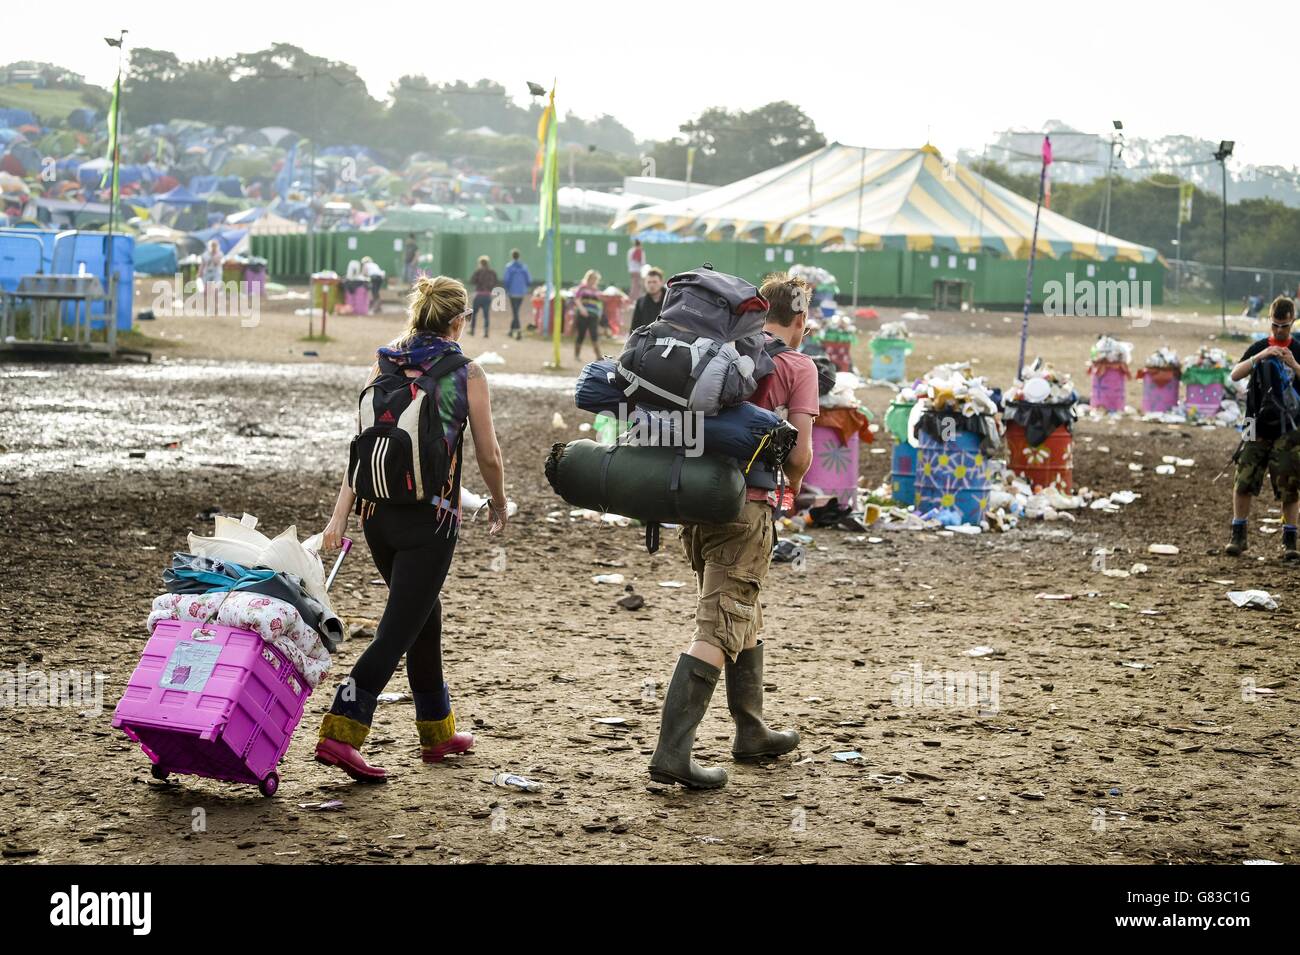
x=207, y=700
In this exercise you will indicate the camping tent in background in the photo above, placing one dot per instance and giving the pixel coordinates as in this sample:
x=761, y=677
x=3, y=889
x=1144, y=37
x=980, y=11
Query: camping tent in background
x=274, y=134
x=880, y=199
x=84, y=119
x=155, y=258
x=14, y=118
x=268, y=223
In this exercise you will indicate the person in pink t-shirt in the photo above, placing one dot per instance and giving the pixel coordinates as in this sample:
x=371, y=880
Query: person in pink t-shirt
x=731, y=563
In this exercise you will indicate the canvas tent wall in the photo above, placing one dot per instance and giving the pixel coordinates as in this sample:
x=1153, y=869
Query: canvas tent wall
x=880, y=199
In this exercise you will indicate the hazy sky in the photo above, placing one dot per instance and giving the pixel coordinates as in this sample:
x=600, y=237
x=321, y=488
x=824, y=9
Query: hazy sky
x=871, y=74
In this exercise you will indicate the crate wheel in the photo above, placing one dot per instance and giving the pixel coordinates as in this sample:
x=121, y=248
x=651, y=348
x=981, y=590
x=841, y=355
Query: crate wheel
x=158, y=772
x=270, y=784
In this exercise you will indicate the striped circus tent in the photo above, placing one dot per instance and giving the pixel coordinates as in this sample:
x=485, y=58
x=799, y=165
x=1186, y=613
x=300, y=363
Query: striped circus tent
x=880, y=199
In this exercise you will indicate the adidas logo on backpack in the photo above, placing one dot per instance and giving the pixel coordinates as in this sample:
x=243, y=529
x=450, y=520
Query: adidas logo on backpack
x=400, y=453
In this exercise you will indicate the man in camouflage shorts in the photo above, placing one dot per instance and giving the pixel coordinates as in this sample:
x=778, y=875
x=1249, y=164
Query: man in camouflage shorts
x=1271, y=433
x=730, y=562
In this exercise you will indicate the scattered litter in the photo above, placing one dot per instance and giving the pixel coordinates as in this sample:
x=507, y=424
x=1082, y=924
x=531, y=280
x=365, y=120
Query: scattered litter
x=1136, y=666
x=1119, y=606
x=609, y=579
x=513, y=781
x=1253, y=598
x=557, y=421
x=330, y=805
x=980, y=652
x=490, y=358
x=1165, y=469
x=1053, y=596
x=847, y=757
x=674, y=584
x=397, y=696
x=1167, y=550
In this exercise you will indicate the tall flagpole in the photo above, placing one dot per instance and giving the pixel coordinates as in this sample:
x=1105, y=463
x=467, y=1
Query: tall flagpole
x=109, y=288
x=1033, y=253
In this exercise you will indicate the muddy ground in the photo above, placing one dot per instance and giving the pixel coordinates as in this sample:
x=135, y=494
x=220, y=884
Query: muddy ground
x=1084, y=757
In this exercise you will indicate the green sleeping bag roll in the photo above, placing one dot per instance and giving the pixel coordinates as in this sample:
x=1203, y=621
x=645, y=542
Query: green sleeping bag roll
x=654, y=485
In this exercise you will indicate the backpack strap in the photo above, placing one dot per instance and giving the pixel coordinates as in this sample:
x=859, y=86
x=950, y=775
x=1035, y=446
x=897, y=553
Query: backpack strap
x=774, y=346
x=446, y=365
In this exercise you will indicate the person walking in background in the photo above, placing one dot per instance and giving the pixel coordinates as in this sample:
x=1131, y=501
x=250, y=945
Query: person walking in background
x=210, y=268
x=413, y=538
x=648, y=305
x=410, y=259
x=635, y=263
x=516, y=281
x=588, y=309
x=376, y=276
x=1270, y=437
x=485, y=282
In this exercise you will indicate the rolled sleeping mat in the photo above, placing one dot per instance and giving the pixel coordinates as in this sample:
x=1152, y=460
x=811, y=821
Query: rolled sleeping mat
x=654, y=485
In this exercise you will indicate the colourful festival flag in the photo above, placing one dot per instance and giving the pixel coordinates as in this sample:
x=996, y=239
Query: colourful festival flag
x=547, y=163
x=112, y=143
x=1185, y=193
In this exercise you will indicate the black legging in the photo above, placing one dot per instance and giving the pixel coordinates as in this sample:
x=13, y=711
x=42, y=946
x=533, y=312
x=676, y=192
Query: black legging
x=413, y=555
x=515, y=302
x=483, y=302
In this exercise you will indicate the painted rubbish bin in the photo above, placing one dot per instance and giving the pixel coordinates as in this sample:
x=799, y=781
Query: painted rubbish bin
x=1159, y=389
x=952, y=473
x=889, y=359
x=902, y=461
x=1204, y=378
x=1040, y=442
x=1109, y=384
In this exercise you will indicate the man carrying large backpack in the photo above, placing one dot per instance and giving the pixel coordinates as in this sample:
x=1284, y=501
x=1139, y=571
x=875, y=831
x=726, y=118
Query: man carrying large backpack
x=731, y=562
x=1270, y=441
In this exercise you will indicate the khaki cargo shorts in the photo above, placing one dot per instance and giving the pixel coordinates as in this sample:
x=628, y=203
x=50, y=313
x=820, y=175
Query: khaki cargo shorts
x=1280, y=459
x=730, y=563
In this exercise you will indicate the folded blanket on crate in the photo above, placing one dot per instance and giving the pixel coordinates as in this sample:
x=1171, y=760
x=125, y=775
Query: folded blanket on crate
x=275, y=621
x=192, y=574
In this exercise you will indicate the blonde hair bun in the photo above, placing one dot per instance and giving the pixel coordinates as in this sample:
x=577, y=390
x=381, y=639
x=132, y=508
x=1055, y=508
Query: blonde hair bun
x=434, y=304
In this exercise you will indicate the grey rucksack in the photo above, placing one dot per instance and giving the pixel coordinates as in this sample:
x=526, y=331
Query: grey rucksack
x=705, y=352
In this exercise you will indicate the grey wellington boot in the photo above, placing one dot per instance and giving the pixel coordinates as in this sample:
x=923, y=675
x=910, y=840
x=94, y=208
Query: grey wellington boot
x=688, y=698
x=745, y=701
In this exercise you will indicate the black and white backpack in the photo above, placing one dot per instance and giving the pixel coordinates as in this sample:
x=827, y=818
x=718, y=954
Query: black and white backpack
x=399, y=454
